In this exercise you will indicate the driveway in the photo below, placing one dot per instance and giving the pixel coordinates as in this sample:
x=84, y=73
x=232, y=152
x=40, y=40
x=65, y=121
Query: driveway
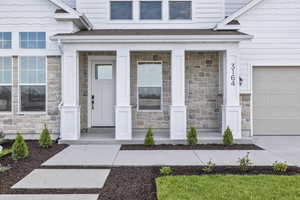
x=285, y=147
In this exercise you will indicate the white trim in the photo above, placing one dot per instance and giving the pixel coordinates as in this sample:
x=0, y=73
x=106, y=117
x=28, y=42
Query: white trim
x=161, y=86
x=91, y=61
x=19, y=84
x=238, y=13
x=12, y=88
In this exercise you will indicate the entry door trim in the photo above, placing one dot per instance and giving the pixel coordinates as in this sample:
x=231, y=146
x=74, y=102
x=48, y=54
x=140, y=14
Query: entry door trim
x=91, y=61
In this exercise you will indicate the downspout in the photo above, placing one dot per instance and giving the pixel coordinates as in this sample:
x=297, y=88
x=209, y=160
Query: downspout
x=60, y=47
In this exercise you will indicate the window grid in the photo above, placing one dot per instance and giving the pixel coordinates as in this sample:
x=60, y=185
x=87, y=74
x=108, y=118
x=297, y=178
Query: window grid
x=5, y=40
x=33, y=40
x=6, y=84
x=35, y=70
x=139, y=63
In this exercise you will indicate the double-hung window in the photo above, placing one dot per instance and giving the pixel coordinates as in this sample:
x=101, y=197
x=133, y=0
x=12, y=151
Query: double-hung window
x=149, y=86
x=33, y=83
x=5, y=40
x=5, y=84
x=151, y=10
x=32, y=40
x=121, y=10
x=180, y=10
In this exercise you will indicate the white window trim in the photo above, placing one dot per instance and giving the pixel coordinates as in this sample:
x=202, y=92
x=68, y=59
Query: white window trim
x=20, y=39
x=33, y=84
x=137, y=87
x=12, y=85
x=178, y=20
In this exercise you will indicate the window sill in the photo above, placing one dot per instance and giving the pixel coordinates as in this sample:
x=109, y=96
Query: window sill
x=32, y=113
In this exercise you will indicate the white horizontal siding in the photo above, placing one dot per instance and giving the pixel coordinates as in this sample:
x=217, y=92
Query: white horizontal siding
x=30, y=15
x=233, y=5
x=206, y=13
x=71, y=3
x=275, y=25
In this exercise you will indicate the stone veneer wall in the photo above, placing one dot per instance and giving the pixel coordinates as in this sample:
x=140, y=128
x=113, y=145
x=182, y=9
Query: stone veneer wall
x=83, y=85
x=201, y=93
x=245, y=101
x=140, y=119
x=30, y=125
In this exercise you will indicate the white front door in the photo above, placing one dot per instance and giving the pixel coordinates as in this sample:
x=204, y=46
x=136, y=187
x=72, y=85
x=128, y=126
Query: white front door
x=103, y=94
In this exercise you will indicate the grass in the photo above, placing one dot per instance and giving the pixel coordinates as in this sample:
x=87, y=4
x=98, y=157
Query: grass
x=225, y=187
x=5, y=152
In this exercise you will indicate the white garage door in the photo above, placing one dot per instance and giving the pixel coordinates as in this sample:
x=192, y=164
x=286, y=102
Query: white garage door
x=276, y=100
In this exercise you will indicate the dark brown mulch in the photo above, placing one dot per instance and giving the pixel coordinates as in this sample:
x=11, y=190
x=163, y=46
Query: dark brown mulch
x=192, y=147
x=19, y=169
x=138, y=183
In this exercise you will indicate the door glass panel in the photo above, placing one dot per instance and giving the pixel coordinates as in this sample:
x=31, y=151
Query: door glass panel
x=104, y=72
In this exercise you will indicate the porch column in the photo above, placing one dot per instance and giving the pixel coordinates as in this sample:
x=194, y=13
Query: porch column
x=70, y=109
x=178, y=108
x=123, y=108
x=231, y=109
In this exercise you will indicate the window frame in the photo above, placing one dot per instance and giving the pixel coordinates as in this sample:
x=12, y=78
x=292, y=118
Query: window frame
x=137, y=87
x=161, y=10
x=11, y=84
x=2, y=39
x=169, y=10
x=20, y=39
x=110, y=13
x=32, y=84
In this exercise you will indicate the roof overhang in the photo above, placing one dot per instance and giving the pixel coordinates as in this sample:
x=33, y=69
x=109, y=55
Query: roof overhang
x=161, y=36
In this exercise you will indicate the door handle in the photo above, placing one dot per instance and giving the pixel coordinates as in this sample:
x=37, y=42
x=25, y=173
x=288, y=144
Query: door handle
x=93, y=101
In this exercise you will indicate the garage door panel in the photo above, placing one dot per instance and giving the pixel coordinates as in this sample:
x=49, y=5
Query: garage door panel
x=276, y=100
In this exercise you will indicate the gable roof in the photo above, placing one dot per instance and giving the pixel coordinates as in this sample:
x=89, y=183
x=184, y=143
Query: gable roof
x=239, y=12
x=65, y=7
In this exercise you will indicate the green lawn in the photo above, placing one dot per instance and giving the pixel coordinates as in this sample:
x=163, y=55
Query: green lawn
x=228, y=187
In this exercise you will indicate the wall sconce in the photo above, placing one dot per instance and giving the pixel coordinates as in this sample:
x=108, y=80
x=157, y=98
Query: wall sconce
x=241, y=81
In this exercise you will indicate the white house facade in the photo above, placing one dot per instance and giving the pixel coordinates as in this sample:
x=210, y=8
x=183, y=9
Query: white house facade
x=119, y=67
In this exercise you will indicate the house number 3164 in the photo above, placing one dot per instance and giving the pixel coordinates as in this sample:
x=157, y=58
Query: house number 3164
x=233, y=75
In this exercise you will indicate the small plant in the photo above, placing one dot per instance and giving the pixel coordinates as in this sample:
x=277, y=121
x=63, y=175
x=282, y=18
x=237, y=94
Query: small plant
x=149, y=140
x=3, y=168
x=280, y=167
x=19, y=148
x=165, y=171
x=210, y=167
x=227, y=137
x=192, y=137
x=245, y=163
x=45, y=140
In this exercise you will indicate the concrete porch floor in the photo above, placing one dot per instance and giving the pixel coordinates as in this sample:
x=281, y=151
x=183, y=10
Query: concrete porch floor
x=107, y=136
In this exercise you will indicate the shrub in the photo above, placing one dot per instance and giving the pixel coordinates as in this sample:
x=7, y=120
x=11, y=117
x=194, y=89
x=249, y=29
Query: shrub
x=149, y=140
x=4, y=168
x=45, y=140
x=165, y=171
x=227, y=137
x=192, y=137
x=245, y=163
x=19, y=148
x=210, y=167
x=280, y=167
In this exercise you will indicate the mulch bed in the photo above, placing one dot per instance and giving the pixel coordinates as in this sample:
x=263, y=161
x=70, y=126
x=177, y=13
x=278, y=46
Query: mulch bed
x=19, y=169
x=138, y=183
x=192, y=147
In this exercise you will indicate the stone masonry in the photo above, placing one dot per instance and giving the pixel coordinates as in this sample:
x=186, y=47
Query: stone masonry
x=245, y=100
x=202, y=86
x=31, y=124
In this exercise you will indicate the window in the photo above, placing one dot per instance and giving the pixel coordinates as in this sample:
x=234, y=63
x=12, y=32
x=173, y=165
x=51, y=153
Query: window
x=149, y=85
x=150, y=10
x=5, y=84
x=33, y=40
x=180, y=9
x=5, y=40
x=104, y=72
x=32, y=84
x=120, y=10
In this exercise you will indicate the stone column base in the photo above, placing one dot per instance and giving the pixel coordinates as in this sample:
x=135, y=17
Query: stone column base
x=178, y=123
x=70, y=123
x=231, y=117
x=123, y=123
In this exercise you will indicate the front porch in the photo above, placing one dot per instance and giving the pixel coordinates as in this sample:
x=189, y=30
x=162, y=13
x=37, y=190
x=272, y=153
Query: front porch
x=199, y=89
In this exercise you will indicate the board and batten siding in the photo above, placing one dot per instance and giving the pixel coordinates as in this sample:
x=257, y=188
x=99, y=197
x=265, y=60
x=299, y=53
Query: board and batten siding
x=275, y=25
x=31, y=16
x=206, y=13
